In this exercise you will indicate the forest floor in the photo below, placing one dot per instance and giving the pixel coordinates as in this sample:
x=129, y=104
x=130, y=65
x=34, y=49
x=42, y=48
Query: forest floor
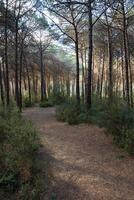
x=85, y=163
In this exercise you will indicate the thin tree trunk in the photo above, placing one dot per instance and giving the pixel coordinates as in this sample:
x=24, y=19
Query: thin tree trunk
x=110, y=61
x=90, y=52
x=102, y=75
x=77, y=69
x=6, y=54
x=126, y=53
x=4, y=75
x=16, y=66
x=20, y=80
x=1, y=86
x=99, y=81
x=29, y=84
x=123, y=79
x=130, y=72
x=43, y=86
x=83, y=76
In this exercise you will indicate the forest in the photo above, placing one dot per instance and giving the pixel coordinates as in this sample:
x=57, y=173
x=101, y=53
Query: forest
x=66, y=99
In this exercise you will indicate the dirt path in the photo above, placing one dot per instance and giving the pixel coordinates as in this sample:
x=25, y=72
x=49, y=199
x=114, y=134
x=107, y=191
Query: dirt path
x=86, y=165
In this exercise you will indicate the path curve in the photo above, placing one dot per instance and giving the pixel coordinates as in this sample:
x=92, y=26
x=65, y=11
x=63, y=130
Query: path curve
x=85, y=163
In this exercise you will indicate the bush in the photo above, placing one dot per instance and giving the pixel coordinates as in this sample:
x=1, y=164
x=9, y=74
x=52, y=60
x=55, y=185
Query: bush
x=67, y=112
x=18, y=146
x=119, y=121
x=57, y=98
x=117, y=118
x=27, y=102
x=46, y=103
x=72, y=113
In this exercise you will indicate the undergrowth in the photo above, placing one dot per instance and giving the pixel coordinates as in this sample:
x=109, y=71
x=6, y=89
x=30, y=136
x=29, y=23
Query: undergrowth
x=20, y=174
x=117, y=118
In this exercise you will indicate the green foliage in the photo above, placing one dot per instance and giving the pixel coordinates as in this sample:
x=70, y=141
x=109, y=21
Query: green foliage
x=72, y=113
x=119, y=121
x=97, y=111
x=32, y=191
x=27, y=102
x=57, y=98
x=18, y=146
x=117, y=118
x=46, y=103
x=64, y=111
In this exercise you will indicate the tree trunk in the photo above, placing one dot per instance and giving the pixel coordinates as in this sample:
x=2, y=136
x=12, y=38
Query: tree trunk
x=16, y=66
x=20, y=80
x=1, y=86
x=123, y=79
x=102, y=75
x=77, y=68
x=6, y=54
x=83, y=76
x=42, y=73
x=90, y=52
x=110, y=61
x=29, y=84
x=126, y=53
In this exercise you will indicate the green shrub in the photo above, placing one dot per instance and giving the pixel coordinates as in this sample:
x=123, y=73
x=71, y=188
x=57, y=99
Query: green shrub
x=67, y=112
x=27, y=102
x=57, y=98
x=119, y=121
x=84, y=117
x=46, y=103
x=18, y=146
x=117, y=118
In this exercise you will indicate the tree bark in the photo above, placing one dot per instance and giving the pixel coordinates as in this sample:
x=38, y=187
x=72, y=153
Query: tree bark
x=1, y=86
x=77, y=68
x=16, y=66
x=126, y=53
x=110, y=61
x=90, y=53
x=102, y=75
x=6, y=54
x=42, y=73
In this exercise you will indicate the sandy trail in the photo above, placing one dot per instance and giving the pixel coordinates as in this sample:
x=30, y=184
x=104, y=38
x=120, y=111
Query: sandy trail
x=85, y=163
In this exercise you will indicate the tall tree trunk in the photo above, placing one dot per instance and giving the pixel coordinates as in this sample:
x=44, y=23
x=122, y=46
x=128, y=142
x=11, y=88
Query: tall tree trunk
x=33, y=78
x=6, y=54
x=99, y=80
x=24, y=80
x=102, y=74
x=36, y=85
x=131, y=83
x=77, y=68
x=20, y=80
x=16, y=66
x=93, y=75
x=13, y=91
x=123, y=79
x=130, y=72
x=110, y=61
x=83, y=76
x=29, y=84
x=126, y=53
x=42, y=73
x=68, y=85
x=4, y=74
x=90, y=52
x=1, y=86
